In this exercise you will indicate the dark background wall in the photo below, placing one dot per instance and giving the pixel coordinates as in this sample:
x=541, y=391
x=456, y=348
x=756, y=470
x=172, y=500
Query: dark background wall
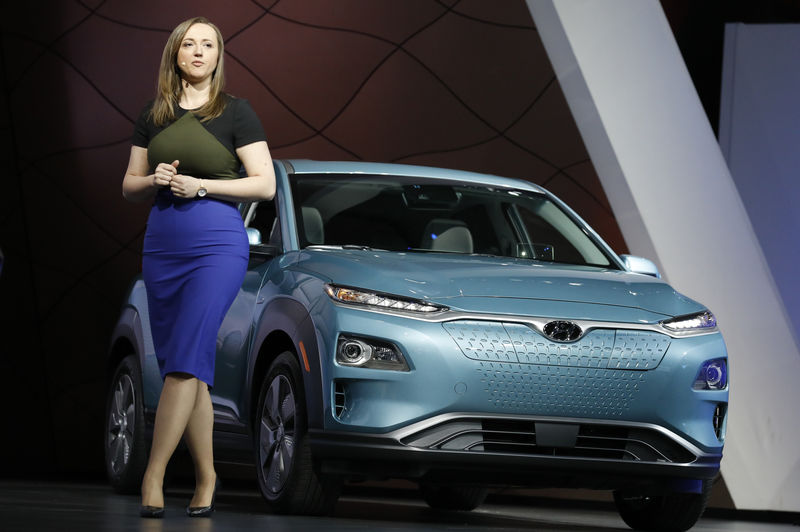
x=456, y=83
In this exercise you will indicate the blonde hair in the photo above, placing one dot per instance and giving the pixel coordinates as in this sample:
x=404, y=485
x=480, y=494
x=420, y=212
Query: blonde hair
x=169, y=78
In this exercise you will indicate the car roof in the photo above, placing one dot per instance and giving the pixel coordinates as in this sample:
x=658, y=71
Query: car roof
x=307, y=166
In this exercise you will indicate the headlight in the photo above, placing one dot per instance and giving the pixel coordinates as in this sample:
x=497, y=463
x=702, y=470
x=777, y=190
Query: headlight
x=369, y=353
x=354, y=296
x=713, y=375
x=691, y=323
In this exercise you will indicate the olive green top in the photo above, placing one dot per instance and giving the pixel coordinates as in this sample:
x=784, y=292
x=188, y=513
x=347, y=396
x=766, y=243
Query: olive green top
x=205, y=150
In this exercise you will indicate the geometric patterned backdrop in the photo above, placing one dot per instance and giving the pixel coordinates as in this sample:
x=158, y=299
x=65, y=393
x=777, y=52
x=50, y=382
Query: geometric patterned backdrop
x=462, y=84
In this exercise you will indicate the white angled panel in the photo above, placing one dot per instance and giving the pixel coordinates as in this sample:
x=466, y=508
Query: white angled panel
x=671, y=192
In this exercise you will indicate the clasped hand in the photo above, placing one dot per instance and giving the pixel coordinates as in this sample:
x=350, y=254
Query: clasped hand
x=183, y=186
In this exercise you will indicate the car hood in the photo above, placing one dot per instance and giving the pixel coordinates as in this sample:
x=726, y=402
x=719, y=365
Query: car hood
x=495, y=284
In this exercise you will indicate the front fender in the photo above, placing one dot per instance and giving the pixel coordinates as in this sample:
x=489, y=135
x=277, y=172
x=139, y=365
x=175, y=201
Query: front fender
x=128, y=328
x=287, y=317
x=133, y=326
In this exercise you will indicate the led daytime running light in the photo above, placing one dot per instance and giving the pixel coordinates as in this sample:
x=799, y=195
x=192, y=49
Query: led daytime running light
x=372, y=299
x=691, y=322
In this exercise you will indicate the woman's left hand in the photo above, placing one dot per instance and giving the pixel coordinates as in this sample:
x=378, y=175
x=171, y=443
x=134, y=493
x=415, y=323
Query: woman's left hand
x=184, y=186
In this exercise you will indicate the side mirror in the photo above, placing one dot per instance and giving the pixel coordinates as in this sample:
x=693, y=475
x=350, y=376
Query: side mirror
x=253, y=236
x=640, y=265
x=260, y=252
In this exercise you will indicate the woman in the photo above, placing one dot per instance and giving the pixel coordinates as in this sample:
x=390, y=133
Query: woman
x=188, y=146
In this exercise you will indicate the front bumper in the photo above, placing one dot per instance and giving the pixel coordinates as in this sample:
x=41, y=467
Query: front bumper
x=497, y=450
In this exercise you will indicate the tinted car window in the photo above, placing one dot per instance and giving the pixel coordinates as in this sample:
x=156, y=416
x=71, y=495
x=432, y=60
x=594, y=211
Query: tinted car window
x=549, y=234
x=396, y=213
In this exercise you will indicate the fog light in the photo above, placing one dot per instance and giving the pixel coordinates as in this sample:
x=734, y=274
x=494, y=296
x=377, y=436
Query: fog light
x=713, y=375
x=369, y=353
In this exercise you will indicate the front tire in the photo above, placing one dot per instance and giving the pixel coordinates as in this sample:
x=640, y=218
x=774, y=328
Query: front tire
x=284, y=464
x=125, y=445
x=674, y=512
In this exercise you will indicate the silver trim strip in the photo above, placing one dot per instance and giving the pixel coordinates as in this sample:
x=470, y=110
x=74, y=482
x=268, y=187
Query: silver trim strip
x=419, y=426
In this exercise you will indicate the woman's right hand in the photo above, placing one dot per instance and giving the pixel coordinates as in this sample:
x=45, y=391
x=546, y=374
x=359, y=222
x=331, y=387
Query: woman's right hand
x=164, y=173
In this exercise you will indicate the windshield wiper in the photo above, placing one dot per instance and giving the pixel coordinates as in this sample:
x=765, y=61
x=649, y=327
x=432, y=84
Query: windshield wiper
x=360, y=247
x=426, y=250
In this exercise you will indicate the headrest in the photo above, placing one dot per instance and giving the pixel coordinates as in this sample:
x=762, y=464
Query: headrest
x=312, y=225
x=442, y=234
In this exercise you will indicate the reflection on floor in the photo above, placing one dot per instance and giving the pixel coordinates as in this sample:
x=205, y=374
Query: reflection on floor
x=27, y=505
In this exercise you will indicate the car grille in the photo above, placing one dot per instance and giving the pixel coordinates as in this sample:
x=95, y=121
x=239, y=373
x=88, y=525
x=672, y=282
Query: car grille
x=585, y=440
x=599, y=348
x=559, y=391
x=521, y=371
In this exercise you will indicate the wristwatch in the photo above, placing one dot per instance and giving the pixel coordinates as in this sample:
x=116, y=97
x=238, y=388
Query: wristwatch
x=201, y=192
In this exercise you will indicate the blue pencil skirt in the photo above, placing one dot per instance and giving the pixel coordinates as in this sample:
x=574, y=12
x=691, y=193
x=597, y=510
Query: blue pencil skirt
x=194, y=260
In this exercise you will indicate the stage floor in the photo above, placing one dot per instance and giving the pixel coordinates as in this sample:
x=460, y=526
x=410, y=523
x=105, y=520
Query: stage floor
x=93, y=506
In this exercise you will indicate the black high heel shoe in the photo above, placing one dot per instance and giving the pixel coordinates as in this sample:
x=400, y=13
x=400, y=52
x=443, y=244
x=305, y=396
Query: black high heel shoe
x=151, y=512
x=204, y=511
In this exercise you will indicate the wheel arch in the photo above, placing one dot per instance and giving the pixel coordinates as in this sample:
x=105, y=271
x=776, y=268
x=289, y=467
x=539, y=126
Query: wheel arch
x=286, y=325
x=126, y=339
x=275, y=343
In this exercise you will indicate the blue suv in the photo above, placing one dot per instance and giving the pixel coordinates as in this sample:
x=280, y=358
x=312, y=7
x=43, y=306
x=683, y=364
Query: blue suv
x=460, y=330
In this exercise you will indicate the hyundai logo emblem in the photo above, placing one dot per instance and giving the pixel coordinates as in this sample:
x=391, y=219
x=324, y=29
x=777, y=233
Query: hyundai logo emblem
x=562, y=331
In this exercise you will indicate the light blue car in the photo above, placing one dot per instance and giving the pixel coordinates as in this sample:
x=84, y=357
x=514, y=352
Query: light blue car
x=461, y=330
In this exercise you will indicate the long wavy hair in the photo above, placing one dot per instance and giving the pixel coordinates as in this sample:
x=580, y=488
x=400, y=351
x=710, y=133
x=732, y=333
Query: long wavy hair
x=169, y=78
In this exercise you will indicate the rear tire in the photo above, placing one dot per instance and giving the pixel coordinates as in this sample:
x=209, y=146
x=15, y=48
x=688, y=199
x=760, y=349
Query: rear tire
x=674, y=512
x=284, y=464
x=444, y=497
x=125, y=445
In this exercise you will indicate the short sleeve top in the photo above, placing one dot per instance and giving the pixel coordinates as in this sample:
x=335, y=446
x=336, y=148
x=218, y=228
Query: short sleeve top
x=205, y=150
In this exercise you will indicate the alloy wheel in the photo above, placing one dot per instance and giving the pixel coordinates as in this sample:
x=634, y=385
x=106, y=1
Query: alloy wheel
x=121, y=424
x=277, y=439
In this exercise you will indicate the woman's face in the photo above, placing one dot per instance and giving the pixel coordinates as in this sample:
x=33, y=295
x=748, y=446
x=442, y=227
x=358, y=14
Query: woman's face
x=198, y=53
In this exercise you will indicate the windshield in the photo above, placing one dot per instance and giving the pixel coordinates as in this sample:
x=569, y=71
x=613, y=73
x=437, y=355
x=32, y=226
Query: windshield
x=396, y=213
